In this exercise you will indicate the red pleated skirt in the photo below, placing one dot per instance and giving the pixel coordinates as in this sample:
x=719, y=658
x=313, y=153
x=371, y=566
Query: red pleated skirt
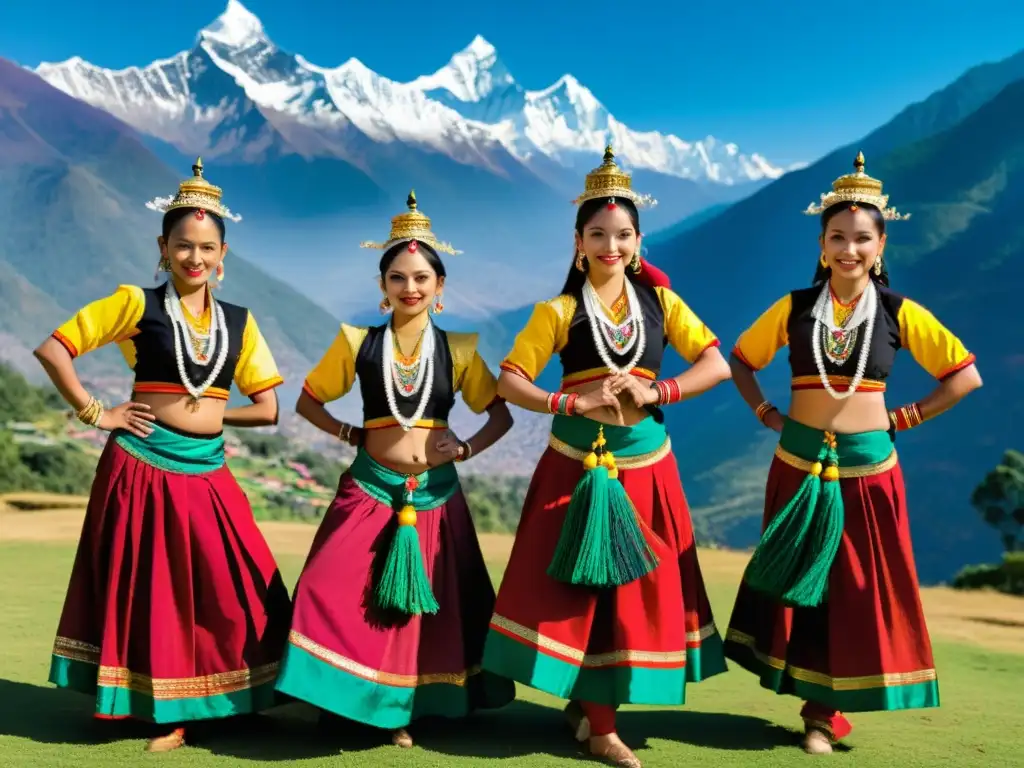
x=639, y=643
x=175, y=609
x=867, y=647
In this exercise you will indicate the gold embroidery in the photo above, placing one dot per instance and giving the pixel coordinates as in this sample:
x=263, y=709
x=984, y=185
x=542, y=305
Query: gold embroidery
x=76, y=650
x=534, y=638
x=167, y=687
x=374, y=675
x=622, y=462
x=861, y=683
x=867, y=470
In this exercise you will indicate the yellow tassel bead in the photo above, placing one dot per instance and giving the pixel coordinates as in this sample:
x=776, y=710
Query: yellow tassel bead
x=831, y=474
x=816, y=468
x=590, y=461
x=407, y=516
x=613, y=473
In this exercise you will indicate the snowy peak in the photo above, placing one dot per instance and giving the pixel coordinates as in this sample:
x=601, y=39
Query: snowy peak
x=472, y=74
x=237, y=27
x=235, y=91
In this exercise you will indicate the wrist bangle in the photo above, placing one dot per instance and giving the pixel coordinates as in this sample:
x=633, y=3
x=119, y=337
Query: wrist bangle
x=91, y=413
x=345, y=433
x=467, y=451
x=562, y=404
x=763, y=410
x=905, y=417
x=668, y=391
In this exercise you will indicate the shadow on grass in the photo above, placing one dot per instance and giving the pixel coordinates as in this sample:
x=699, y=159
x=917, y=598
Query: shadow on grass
x=295, y=731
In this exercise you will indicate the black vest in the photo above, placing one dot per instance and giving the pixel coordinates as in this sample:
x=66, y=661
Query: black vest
x=370, y=372
x=155, y=361
x=885, y=339
x=579, y=353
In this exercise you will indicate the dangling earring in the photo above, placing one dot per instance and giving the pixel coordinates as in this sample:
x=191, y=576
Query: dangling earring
x=877, y=267
x=164, y=265
x=220, y=273
x=438, y=307
x=385, y=306
x=580, y=260
x=635, y=264
x=822, y=261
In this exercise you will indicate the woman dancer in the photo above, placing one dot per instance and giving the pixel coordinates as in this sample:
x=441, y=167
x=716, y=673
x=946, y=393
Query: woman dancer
x=829, y=609
x=175, y=611
x=392, y=605
x=603, y=602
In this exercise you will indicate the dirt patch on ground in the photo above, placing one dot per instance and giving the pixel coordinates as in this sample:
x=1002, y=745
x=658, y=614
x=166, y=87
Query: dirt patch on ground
x=986, y=619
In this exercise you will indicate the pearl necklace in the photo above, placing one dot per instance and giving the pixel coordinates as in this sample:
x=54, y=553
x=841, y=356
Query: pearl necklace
x=591, y=303
x=424, y=377
x=179, y=327
x=869, y=304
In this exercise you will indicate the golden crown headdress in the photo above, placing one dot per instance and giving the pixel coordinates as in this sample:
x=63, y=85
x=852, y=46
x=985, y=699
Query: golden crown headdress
x=608, y=180
x=195, y=192
x=857, y=187
x=411, y=225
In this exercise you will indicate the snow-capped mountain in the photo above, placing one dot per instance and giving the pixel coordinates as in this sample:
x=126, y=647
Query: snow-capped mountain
x=237, y=96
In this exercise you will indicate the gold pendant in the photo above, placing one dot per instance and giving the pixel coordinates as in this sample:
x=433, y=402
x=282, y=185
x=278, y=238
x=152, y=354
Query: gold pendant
x=193, y=404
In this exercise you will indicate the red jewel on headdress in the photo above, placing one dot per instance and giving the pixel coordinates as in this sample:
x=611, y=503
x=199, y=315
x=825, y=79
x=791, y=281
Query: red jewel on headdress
x=853, y=207
x=413, y=245
x=200, y=214
x=611, y=204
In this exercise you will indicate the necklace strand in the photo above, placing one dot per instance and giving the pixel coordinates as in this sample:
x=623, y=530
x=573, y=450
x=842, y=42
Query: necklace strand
x=425, y=375
x=635, y=321
x=817, y=342
x=178, y=330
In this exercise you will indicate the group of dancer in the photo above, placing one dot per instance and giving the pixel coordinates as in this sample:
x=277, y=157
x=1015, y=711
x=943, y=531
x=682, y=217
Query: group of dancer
x=176, y=612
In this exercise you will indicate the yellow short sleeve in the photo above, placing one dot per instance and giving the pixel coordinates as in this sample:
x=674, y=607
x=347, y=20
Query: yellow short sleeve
x=472, y=377
x=758, y=344
x=544, y=334
x=256, y=370
x=335, y=374
x=930, y=343
x=112, y=318
x=684, y=330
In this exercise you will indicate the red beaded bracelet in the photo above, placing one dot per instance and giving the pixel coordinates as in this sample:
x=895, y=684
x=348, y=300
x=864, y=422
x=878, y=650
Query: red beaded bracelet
x=562, y=404
x=905, y=417
x=668, y=392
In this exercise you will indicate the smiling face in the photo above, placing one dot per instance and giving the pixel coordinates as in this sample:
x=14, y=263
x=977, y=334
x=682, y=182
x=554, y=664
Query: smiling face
x=609, y=240
x=410, y=282
x=852, y=243
x=194, y=247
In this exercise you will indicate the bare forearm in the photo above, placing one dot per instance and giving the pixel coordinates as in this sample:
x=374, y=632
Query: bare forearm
x=746, y=383
x=949, y=392
x=60, y=367
x=522, y=392
x=499, y=422
x=263, y=414
x=317, y=415
x=709, y=370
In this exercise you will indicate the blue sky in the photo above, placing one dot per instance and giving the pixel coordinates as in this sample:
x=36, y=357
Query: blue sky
x=788, y=79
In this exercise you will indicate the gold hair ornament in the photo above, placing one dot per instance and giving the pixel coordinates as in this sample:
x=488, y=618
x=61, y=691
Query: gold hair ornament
x=608, y=180
x=195, y=192
x=408, y=226
x=857, y=187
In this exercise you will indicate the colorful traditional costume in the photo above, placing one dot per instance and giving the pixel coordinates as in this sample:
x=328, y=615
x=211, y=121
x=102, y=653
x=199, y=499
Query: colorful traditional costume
x=392, y=605
x=829, y=609
x=603, y=601
x=175, y=610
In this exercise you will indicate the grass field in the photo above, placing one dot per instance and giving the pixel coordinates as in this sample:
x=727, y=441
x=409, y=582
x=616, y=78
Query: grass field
x=728, y=722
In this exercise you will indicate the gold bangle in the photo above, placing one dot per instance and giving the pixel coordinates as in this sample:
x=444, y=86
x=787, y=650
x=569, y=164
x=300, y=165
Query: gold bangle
x=91, y=413
x=762, y=410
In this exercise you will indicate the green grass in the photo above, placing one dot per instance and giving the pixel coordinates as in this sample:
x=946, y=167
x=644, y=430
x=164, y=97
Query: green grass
x=728, y=722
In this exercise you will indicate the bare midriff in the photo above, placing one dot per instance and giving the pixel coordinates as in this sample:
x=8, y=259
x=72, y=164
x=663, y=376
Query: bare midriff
x=174, y=411
x=631, y=414
x=862, y=412
x=409, y=453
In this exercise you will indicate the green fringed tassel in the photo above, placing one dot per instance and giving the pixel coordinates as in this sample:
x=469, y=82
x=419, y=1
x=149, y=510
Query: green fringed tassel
x=403, y=584
x=794, y=558
x=601, y=544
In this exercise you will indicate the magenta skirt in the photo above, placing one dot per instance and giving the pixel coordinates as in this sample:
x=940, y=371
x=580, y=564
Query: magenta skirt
x=382, y=667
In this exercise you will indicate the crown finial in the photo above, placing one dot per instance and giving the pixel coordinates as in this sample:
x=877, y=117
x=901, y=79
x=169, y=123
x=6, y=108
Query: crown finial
x=858, y=163
x=410, y=201
x=197, y=168
x=609, y=156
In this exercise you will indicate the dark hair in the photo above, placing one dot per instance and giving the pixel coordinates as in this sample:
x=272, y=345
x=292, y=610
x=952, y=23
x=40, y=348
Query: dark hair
x=174, y=216
x=575, y=279
x=428, y=253
x=821, y=274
